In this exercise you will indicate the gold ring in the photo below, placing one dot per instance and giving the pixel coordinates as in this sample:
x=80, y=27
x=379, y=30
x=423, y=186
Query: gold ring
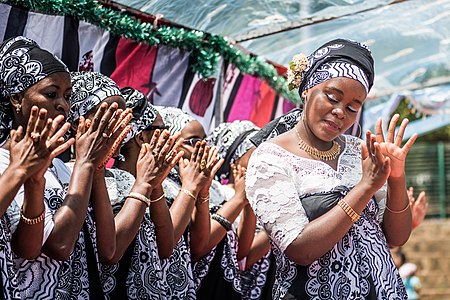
x=105, y=135
x=202, y=165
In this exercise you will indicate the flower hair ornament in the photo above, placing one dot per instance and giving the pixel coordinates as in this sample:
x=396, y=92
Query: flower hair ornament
x=297, y=66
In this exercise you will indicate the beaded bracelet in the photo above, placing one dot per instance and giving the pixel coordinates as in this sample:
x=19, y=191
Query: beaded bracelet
x=349, y=211
x=187, y=192
x=139, y=197
x=33, y=221
x=158, y=199
x=222, y=221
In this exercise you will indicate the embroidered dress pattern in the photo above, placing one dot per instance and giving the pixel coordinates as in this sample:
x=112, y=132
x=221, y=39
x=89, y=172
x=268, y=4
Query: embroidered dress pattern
x=359, y=265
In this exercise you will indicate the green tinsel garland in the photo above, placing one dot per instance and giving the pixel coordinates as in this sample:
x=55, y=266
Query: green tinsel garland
x=206, y=48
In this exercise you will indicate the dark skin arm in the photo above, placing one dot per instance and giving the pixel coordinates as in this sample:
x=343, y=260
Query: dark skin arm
x=321, y=234
x=90, y=153
x=29, y=161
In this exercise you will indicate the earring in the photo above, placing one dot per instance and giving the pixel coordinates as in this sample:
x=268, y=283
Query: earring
x=18, y=108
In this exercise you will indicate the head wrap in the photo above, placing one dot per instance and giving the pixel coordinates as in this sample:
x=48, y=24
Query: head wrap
x=22, y=64
x=277, y=126
x=339, y=58
x=89, y=89
x=144, y=113
x=174, y=117
x=233, y=141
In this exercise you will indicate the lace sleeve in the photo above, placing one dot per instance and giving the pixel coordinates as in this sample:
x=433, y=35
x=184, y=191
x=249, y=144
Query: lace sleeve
x=274, y=198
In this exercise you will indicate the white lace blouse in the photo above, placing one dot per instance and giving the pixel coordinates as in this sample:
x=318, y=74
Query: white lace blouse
x=277, y=178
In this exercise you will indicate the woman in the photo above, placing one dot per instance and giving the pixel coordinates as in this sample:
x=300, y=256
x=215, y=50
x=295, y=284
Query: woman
x=143, y=236
x=28, y=159
x=179, y=264
x=233, y=142
x=322, y=196
x=46, y=85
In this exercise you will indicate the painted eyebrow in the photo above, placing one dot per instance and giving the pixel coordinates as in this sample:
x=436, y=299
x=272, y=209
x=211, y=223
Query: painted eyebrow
x=342, y=94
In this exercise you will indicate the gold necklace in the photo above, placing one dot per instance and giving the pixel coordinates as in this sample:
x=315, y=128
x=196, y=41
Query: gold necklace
x=330, y=154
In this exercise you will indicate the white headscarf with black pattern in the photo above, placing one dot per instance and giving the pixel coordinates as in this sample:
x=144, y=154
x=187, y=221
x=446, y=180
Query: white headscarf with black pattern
x=89, y=89
x=22, y=64
x=224, y=137
x=174, y=117
x=144, y=113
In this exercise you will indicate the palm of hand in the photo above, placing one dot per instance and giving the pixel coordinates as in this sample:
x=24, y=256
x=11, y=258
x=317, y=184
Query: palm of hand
x=397, y=158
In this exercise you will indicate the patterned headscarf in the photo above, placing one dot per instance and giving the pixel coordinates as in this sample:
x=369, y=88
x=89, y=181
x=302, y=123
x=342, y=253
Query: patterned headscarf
x=89, y=89
x=339, y=58
x=22, y=64
x=175, y=118
x=233, y=141
x=144, y=113
x=277, y=126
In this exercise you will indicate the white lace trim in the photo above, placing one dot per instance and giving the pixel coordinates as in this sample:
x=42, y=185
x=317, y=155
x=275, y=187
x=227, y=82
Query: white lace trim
x=276, y=177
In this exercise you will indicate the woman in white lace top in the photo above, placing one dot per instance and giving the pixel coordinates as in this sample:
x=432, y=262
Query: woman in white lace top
x=331, y=203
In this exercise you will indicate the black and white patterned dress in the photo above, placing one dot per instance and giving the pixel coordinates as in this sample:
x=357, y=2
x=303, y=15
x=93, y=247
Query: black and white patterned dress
x=44, y=277
x=286, y=190
x=138, y=275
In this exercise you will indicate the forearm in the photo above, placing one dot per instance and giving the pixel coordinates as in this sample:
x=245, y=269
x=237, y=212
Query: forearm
x=321, y=234
x=200, y=230
x=129, y=219
x=69, y=218
x=246, y=232
x=10, y=181
x=397, y=220
x=180, y=212
x=27, y=239
x=230, y=211
x=104, y=218
x=259, y=248
x=159, y=212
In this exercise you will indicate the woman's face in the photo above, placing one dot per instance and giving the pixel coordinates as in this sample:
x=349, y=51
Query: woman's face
x=192, y=132
x=52, y=93
x=332, y=106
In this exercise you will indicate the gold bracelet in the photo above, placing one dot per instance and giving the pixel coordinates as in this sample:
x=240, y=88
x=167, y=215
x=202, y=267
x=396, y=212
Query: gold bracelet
x=33, y=221
x=139, y=197
x=349, y=211
x=158, y=199
x=189, y=194
x=397, y=211
x=204, y=199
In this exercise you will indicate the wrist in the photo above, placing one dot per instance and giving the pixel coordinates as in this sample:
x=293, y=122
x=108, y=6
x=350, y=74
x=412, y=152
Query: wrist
x=143, y=188
x=84, y=164
x=394, y=180
x=193, y=189
x=34, y=182
x=18, y=173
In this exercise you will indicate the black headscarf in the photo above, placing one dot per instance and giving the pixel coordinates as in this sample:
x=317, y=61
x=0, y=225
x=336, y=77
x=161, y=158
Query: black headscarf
x=22, y=64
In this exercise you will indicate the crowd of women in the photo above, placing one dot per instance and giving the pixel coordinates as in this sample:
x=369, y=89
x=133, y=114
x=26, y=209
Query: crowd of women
x=147, y=205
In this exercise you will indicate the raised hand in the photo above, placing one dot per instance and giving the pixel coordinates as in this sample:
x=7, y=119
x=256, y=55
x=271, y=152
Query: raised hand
x=157, y=158
x=419, y=207
x=33, y=152
x=210, y=163
x=392, y=146
x=239, y=180
x=376, y=166
x=196, y=172
x=95, y=139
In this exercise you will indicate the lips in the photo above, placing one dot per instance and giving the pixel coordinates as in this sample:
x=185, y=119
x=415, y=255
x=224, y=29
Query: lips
x=332, y=125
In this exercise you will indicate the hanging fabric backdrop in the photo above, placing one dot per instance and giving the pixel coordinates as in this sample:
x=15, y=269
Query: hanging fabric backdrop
x=162, y=73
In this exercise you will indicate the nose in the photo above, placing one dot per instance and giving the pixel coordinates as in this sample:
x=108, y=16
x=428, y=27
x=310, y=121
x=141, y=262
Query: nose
x=63, y=106
x=339, y=113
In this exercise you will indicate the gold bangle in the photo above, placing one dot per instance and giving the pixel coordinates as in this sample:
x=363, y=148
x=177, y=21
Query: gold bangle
x=139, y=197
x=204, y=199
x=397, y=211
x=33, y=221
x=158, y=199
x=189, y=194
x=349, y=211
